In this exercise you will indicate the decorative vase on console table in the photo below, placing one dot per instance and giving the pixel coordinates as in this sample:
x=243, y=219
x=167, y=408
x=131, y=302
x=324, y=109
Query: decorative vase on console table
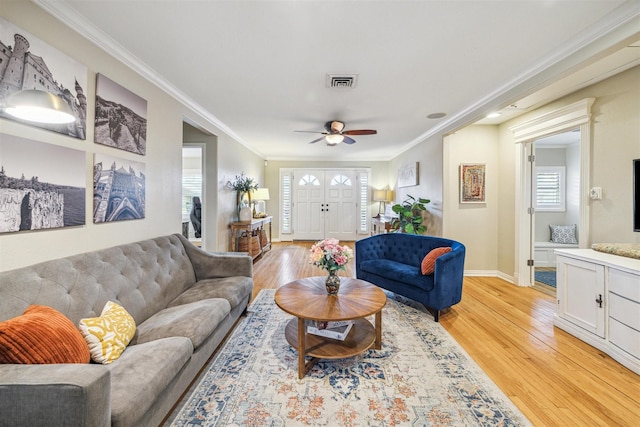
x=329, y=255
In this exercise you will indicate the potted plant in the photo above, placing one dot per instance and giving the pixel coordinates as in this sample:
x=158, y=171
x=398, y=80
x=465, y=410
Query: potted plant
x=242, y=184
x=410, y=215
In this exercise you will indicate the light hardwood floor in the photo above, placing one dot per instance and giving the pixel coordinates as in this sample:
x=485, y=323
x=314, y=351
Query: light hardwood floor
x=553, y=378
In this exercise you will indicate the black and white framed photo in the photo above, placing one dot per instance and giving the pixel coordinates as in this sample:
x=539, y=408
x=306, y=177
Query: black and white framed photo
x=42, y=185
x=121, y=117
x=118, y=189
x=26, y=62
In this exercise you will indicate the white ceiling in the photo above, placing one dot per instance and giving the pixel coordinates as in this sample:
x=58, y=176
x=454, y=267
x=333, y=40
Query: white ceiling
x=258, y=69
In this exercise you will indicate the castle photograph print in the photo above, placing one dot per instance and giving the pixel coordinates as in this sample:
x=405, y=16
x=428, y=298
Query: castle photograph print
x=118, y=189
x=121, y=117
x=27, y=62
x=41, y=185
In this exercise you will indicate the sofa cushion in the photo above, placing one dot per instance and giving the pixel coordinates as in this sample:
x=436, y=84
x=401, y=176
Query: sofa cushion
x=142, y=373
x=563, y=233
x=41, y=335
x=109, y=334
x=428, y=264
x=400, y=272
x=234, y=289
x=195, y=321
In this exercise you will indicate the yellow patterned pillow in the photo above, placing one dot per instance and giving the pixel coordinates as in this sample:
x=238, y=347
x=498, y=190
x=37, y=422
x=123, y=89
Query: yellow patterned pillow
x=109, y=334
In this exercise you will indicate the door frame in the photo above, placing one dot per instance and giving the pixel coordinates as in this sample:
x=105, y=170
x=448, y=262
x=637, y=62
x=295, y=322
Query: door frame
x=576, y=115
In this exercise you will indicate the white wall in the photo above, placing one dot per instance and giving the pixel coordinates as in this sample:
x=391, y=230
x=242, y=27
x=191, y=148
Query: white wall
x=163, y=160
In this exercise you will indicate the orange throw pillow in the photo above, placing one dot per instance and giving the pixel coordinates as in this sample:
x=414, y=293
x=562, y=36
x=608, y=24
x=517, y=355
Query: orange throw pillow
x=41, y=335
x=429, y=261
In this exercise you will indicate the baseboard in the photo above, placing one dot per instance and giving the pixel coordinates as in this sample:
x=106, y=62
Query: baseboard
x=489, y=273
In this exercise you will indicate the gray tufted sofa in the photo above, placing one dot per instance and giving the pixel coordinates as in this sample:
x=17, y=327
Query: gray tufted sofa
x=184, y=301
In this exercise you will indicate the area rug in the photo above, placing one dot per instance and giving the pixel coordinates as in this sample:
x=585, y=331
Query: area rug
x=420, y=377
x=546, y=277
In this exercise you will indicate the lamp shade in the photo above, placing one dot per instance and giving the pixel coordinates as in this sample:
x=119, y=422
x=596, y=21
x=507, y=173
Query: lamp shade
x=379, y=195
x=388, y=195
x=38, y=106
x=260, y=194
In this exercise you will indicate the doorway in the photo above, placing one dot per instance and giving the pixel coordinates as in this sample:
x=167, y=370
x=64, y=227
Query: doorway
x=570, y=117
x=555, y=203
x=192, y=192
x=325, y=204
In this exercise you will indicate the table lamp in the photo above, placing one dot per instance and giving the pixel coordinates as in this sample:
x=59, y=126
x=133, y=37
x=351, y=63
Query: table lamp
x=259, y=194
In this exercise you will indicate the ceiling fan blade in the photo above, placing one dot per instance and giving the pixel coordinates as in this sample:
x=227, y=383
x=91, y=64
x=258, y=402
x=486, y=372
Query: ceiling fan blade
x=316, y=140
x=348, y=140
x=360, y=132
x=311, y=131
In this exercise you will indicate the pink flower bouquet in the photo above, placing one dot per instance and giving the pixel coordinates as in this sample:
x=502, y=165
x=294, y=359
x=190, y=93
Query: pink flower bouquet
x=329, y=255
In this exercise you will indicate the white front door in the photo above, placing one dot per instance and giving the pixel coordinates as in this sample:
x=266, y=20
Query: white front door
x=324, y=204
x=308, y=204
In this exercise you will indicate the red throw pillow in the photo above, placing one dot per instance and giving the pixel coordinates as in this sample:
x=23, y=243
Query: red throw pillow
x=429, y=261
x=41, y=335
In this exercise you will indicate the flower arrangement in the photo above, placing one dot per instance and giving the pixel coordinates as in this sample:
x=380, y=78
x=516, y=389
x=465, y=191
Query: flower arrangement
x=329, y=255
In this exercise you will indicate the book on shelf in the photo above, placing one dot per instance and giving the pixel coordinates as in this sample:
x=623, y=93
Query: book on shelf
x=337, y=330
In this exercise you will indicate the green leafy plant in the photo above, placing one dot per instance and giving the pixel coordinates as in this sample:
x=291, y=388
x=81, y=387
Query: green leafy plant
x=243, y=184
x=410, y=215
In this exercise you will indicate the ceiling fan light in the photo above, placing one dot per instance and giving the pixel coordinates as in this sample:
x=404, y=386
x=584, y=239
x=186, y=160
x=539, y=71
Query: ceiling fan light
x=38, y=106
x=334, y=139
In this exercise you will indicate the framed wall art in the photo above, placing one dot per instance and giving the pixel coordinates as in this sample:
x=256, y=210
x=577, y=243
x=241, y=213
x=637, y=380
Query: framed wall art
x=41, y=185
x=118, y=189
x=27, y=62
x=121, y=117
x=408, y=175
x=472, y=183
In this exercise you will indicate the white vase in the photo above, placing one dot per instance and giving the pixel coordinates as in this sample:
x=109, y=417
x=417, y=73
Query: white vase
x=245, y=213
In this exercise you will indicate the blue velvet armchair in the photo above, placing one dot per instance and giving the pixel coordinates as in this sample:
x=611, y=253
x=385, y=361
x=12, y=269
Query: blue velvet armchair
x=392, y=261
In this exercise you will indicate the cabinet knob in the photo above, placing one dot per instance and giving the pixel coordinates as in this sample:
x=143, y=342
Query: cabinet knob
x=599, y=300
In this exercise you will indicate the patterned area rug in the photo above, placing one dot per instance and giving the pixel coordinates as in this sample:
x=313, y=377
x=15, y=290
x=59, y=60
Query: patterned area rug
x=546, y=277
x=420, y=377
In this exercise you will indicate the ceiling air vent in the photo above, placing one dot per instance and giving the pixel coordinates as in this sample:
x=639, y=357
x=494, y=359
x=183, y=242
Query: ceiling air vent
x=342, y=80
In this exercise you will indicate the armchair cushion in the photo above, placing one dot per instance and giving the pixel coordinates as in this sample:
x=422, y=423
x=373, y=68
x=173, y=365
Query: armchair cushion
x=428, y=264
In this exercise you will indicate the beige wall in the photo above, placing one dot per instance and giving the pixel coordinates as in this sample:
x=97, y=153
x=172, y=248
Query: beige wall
x=163, y=160
x=379, y=179
x=429, y=155
x=473, y=224
x=615, y=141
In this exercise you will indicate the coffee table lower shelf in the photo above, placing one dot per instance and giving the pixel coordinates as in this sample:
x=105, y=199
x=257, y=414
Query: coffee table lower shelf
x=361, y=337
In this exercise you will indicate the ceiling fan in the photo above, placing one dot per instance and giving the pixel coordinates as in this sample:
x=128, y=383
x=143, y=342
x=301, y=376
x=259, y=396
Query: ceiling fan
x=335, y=134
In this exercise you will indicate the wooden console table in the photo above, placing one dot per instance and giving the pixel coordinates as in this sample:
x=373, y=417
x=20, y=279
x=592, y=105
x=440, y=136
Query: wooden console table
x=258, y=225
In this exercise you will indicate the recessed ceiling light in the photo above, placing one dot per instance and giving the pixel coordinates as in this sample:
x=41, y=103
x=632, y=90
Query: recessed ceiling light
x=493, y=115
x=436, y=115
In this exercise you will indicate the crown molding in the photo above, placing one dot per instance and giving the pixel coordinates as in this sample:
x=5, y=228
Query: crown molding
x=77, y=22
x=621, y=25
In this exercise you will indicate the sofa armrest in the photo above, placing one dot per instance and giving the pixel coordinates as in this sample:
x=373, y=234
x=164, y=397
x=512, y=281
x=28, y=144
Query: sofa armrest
x=449, y=274
x=60, y=395
x=210, y=265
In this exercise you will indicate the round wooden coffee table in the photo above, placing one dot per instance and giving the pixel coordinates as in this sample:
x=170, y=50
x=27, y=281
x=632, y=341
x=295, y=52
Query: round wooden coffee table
x=307, y=299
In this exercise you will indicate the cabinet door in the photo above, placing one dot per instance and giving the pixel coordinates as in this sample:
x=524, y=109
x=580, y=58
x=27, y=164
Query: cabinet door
x=580, y=293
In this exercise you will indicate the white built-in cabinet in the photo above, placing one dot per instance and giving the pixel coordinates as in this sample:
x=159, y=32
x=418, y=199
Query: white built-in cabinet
x=599, y=302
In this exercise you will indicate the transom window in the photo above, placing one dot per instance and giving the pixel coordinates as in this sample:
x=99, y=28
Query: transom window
x=309, y=180
x=340, y=180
